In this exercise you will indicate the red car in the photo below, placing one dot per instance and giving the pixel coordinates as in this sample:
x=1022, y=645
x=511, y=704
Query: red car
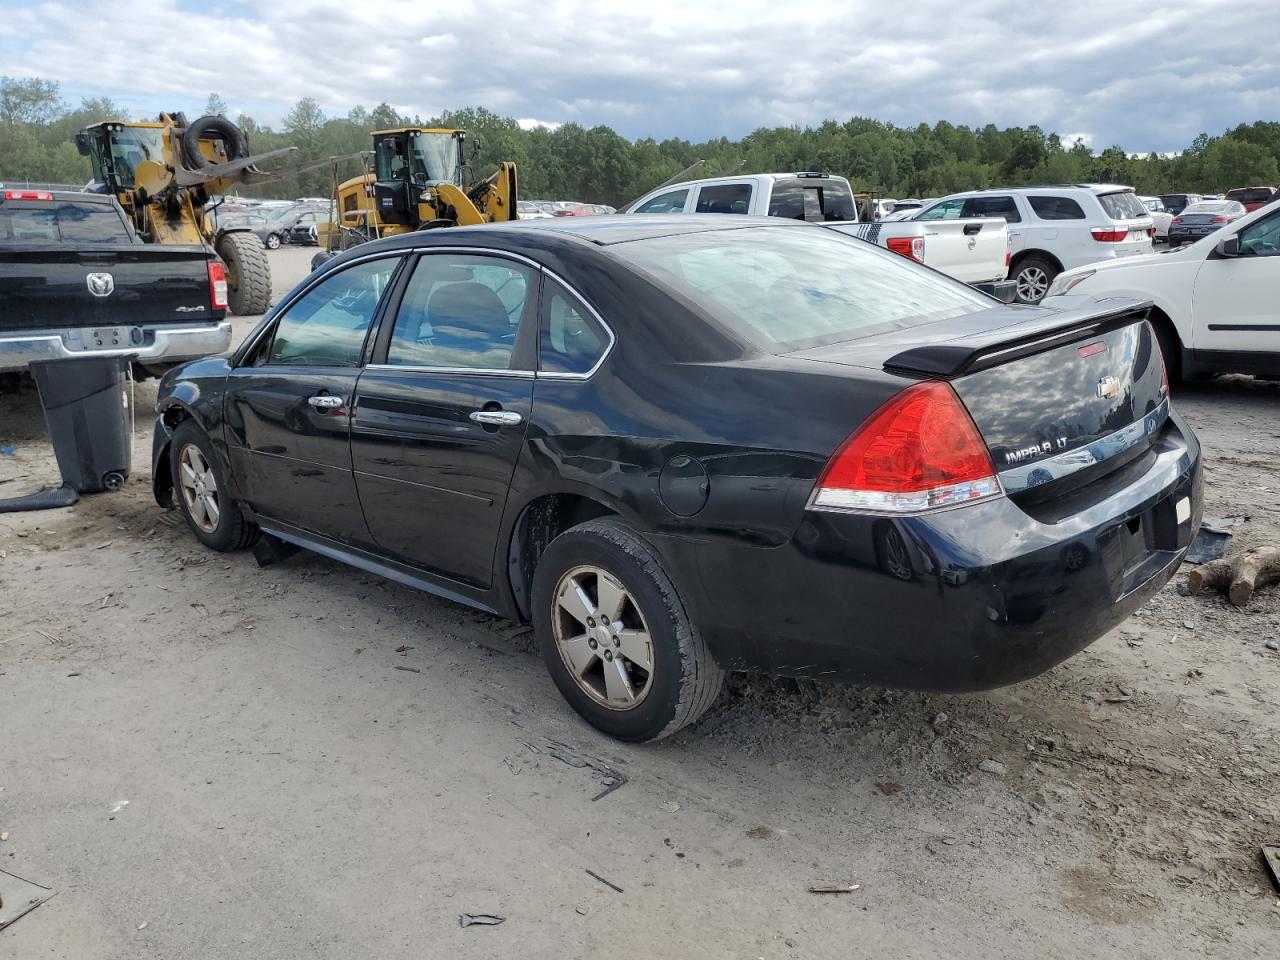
x=1252, y=197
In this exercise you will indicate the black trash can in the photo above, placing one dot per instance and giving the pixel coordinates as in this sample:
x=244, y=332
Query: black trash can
x=86, y=404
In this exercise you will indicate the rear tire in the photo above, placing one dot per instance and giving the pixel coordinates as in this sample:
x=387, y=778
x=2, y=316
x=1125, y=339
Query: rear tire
x=1033, y=275
x=248, y=273
x=600, y=570
x=273, y=241
x=222, y=526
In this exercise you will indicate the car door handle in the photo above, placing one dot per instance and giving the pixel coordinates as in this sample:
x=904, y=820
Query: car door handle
x=325, y=402
x=971, y=228
x=496, y=418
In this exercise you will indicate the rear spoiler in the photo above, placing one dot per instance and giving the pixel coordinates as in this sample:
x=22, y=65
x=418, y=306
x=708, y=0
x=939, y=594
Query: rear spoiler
x=990, y=348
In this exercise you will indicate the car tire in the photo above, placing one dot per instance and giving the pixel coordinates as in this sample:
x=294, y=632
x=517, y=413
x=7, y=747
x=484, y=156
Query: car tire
x=273, y=241
x=220, y=526
x=1174, y=244
x=598, y=664
x=1170, y=349
x=1033, y=276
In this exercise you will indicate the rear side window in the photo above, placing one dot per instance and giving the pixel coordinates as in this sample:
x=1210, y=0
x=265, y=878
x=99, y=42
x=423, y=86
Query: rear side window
x=815, y=200
x=572, y=341
x=672, y=202
x=725, y=198
x=1122, y=206
x=992, y=207
x=1056, y=208
x=64, y=223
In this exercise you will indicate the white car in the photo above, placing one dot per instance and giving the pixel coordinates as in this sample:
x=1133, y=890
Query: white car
x=529, y=210
x=1214, y=300
x=1160, y=216
x=1057, y=228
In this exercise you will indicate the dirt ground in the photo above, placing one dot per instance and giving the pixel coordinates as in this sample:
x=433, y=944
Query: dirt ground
x=318, y=763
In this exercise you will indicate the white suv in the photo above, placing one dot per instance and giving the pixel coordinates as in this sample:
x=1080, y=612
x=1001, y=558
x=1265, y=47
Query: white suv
x=1056, y=228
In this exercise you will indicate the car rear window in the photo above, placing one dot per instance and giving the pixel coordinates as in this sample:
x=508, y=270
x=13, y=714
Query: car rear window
x=1122, y=205
x=816, y=200
x=1251, y=195
x=1056, y=208
x=978, y=207
x=24, y=221
x=788, y=288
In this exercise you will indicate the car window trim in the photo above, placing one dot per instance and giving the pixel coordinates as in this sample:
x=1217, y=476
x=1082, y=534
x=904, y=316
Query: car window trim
x=595, y=314
x=272, y=320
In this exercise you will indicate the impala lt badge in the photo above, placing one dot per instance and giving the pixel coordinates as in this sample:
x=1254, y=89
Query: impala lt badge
x=100, y=284
x=1108, y=387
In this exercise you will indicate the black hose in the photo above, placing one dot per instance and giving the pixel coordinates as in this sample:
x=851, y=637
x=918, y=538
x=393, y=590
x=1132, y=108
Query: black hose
x=49, y=498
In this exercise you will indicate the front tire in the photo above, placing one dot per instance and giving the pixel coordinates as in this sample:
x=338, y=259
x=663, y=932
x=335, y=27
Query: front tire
x=273, y=241
x=203, y=493
x=615, y=635
x=1033, y=276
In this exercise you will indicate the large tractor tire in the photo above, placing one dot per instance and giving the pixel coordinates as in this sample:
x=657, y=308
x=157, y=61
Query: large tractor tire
x=248, y=273
x=213, y=128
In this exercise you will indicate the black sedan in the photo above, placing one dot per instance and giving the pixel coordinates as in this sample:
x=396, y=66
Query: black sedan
x=681, y=446
x=1203, y=218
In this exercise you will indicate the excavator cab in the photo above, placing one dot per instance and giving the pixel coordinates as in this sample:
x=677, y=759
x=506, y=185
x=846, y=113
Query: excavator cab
x=408, y=162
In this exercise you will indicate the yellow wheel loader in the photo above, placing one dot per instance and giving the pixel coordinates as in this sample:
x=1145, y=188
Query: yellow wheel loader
x=164, y=173
x=419, y=181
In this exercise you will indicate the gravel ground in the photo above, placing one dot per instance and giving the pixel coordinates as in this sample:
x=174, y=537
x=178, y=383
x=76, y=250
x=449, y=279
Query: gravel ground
x=299, y=785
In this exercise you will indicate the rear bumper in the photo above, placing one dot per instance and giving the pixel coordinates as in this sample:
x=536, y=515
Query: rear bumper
x=965, y=599
x=149, y=344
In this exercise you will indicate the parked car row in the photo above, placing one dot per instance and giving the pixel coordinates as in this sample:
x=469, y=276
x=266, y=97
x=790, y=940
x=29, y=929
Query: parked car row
x=544, y=209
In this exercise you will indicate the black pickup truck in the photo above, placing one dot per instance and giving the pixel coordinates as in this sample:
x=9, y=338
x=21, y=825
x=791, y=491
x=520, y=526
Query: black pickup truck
x=75, y=280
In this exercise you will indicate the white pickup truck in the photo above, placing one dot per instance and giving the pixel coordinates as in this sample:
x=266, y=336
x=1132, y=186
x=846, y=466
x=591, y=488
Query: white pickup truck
x=973, y=251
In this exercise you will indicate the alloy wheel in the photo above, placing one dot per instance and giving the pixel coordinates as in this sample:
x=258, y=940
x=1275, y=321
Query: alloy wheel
x=1033, y=284
x=602, y=637
x=199, y=488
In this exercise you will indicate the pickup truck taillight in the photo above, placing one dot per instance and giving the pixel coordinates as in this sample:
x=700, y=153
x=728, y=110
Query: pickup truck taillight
x=28, y=195
x=910, y=247
x=1109, y=235
x=1008, y=253
x=217, y=285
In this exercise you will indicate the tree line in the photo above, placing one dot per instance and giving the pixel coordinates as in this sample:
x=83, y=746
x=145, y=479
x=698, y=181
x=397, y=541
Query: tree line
x=596, y=164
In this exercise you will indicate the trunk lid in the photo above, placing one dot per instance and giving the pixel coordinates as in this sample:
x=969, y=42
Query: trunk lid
x=47, y=286
x=1054, y=394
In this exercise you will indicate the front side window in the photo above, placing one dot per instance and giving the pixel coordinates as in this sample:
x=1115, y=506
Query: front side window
x=787, y=288
x=1056, y=208
x=572, y=341
x=672, y=202
x=327, y=326
x=725, y=198
x=1261, y=238
x=945, y=210
x=461, y=311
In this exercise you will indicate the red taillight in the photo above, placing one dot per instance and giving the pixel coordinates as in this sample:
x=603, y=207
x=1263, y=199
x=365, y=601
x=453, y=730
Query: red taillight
x=1220, y=220
x=1151, y=232
x=1109, y=235
x=920, y=450
x=217, y=285
x=1176, y=220
x=28, y=195
x=910, y=247
x=1008, y=253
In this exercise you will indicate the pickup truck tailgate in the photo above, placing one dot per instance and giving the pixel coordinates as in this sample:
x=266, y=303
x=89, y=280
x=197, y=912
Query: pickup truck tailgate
x=974, y=251
x=54, y=286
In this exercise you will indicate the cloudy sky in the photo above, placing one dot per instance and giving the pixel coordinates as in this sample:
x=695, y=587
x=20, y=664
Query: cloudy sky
x=1147, y=75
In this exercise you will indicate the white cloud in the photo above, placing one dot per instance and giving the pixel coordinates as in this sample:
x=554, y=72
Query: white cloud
x=528, y=123
x=1148, y=77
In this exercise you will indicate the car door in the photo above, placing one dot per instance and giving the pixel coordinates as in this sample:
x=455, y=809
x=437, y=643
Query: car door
x=288, y=404
x=999, y=205
x=1234, y=298
x=441, y=415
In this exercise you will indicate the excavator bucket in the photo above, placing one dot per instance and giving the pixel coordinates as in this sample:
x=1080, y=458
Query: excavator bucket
x=243, y=170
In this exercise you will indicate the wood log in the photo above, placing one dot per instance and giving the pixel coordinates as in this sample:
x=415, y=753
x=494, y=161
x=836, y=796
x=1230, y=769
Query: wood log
x=1238, y=576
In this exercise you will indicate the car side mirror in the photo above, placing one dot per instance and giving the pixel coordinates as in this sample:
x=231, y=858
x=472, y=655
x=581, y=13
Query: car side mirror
x=1228, y=246
x=82, y=143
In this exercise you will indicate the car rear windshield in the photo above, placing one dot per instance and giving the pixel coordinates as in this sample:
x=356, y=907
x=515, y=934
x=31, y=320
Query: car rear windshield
x=1251, y=194
x=25, y=221
x=1122, y=206
x=789, y=288
x=815, y=199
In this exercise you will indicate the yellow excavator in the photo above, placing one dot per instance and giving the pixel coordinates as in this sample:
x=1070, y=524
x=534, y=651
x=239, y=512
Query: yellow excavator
x=165, y=172
x=419, y=181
